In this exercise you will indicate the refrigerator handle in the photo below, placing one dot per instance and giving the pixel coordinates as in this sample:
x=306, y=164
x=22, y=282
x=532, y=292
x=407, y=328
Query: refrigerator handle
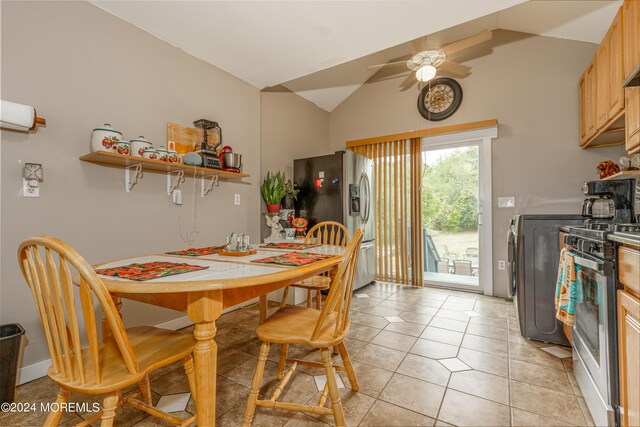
x=366, y=196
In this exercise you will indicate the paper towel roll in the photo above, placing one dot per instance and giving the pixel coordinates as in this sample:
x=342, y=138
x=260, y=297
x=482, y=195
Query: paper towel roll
x=17, y=116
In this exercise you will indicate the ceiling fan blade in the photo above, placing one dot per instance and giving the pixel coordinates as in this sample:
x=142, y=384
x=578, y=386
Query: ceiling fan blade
x=371, y=67
x=455, y=68
x=409, y=81
x=468, y=42
x=419, y=44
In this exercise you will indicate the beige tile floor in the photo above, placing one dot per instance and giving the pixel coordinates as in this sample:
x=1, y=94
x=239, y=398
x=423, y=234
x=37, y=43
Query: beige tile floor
x=423, y=357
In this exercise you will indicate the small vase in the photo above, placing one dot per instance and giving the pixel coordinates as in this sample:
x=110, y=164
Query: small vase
x=273, y=208
x=287, y=203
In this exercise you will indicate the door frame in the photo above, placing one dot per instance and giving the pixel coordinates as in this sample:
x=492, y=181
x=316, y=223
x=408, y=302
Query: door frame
x=482, y=138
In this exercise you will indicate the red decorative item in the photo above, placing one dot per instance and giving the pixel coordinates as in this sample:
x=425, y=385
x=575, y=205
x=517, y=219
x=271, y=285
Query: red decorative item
x=318, y=183
x=273, y=208
x=607, y=168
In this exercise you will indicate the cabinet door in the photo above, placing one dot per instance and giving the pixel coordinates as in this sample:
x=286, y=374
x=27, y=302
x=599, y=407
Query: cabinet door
x=632, y=119
x=629, y=358
x=591, y=99
x=582, y=89
x=631, y=28
x=616, y=72
x=602, y=83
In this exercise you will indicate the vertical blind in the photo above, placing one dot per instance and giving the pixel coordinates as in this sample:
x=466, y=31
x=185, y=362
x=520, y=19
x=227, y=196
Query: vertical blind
x=398, y=215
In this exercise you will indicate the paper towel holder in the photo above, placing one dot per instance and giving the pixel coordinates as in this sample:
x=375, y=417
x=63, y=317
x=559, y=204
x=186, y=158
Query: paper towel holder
x=37, y=121
x=19, y=124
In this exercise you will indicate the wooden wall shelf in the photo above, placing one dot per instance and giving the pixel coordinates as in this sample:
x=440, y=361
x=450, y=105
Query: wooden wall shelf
x=118, y=160
x=624, y=174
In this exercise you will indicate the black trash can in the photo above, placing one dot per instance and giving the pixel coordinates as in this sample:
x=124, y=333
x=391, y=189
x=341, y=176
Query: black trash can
x=10, y=340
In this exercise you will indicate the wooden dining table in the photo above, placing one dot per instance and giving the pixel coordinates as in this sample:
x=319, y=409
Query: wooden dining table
x=204, y=294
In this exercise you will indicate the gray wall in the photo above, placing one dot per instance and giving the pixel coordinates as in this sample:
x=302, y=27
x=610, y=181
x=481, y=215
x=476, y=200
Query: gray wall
x=291, y=128
x=81, y=67
x=530, y=85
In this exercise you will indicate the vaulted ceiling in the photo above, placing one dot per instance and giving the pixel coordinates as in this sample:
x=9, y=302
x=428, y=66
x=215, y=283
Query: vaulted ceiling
x=322, y=49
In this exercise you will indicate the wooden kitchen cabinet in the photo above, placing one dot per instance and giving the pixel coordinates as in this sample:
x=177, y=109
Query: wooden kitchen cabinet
x=602, y=99
x=588, y=125
x=632, y=120
x=615, y=66
x=629, y=335
x=602, y=83
x=631, y=30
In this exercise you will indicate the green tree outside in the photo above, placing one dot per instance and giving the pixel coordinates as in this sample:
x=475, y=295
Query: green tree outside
x=450, y=192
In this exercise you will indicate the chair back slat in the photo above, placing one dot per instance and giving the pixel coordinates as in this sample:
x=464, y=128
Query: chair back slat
x=339, y=298
x=328, y=233
x=49, y=309
x=350, y=281
x=89, y=313
x=72, y=318
x=34, y=281
x=53, y=292
x=56, y=300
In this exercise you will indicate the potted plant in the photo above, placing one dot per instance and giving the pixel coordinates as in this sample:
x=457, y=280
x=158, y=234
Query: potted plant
x=273, y=190
x=291, y=194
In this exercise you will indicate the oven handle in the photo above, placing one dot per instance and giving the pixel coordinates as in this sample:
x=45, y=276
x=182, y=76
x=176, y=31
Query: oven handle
x=578, y=259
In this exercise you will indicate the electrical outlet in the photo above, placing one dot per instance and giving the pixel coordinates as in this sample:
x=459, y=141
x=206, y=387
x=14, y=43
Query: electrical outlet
x=177, y=197
x=501, y=264
x=236, y=199
x=506, y=202
x=30, y=188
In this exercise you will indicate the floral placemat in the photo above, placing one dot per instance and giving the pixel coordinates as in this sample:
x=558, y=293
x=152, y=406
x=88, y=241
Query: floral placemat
x=293, y=259
x=209, y=250
x=297, y=246
x=149, y=270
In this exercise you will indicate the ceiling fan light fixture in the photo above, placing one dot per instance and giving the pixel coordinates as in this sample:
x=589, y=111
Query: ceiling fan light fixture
x=425, y=73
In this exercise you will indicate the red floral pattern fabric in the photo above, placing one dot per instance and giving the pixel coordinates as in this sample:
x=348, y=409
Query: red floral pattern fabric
x=199, y=251
x=149, y=270
x=293, y=259
x=297, y=246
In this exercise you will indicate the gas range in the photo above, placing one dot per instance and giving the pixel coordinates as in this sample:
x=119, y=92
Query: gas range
x=592, y=237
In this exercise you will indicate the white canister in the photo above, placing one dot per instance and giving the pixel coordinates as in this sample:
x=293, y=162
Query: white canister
x=105, y=138
x=174, y=157
x=122, y=147
x=138, y=146
x=150, y=153
x=163, y=154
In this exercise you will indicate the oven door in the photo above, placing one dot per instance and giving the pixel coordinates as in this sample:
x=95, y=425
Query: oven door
x=594, y=335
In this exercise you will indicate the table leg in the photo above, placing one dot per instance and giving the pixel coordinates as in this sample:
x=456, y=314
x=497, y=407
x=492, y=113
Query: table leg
x=263, y=304
x=203, y=309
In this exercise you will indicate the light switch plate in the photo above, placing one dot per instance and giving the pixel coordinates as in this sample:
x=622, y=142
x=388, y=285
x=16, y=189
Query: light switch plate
x=321, y=174
x=30, y=190
x=506, y=202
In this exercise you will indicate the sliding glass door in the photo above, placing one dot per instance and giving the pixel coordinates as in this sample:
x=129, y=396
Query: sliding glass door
x=452, y=215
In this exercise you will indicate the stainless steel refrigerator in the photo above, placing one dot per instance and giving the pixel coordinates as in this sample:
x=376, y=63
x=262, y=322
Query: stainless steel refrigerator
x=339, y=187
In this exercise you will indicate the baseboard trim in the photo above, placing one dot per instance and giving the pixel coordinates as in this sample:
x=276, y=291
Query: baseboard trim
x=38, y=370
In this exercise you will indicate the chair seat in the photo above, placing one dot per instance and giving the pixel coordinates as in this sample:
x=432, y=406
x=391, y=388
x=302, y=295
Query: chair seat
x=319, y=283
x=153, y=347
x=294, y=325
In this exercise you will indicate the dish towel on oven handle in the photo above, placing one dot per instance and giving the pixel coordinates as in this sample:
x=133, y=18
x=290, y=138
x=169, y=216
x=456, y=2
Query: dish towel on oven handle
x=568, y=288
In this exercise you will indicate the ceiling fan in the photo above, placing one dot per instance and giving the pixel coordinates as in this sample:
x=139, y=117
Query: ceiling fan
x=425, y=63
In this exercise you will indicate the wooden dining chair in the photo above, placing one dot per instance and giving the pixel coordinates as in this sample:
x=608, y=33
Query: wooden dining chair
x=121, y=359
x=323, y=233
x=319, y=329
